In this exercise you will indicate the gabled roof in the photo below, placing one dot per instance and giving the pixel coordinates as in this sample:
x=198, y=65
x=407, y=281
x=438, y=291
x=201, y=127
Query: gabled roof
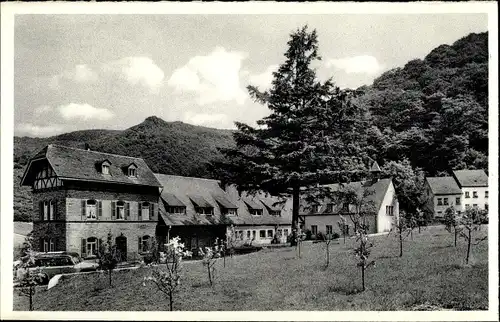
x=224, y=201
x=252, y=204
x=376, y=192
x=375, y=167
x=171, y=200
x=199, y=201
x=471, y=178
x=84, y=165
x=443, y=186
x=210, y=190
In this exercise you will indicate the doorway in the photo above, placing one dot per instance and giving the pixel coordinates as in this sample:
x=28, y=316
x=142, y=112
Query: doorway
x=121, y=245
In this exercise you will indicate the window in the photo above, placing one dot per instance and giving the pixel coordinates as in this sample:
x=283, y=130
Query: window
x=52, y=209
x=474, y=205
x=105, y=169
x=254, y=234
x=90, y=209
x=285, y=232
x=486, y=194
x=317, y=208
x=256, y=212
x=389, y=210
x=467, y=195
x=314, y=229
x=467, y=206
x=91, y=246
x=262, y=234
x=45, y=245
x=329, y=229
x=144, y=244
x=457, y=201
x=204, y=211
x=145, y=211
x=177, y=210
x=120, y=210
x=132, y=172
x=440, y=213
x=345, y=207
x=440, y=201
x=46, y=210
x=474, y=194
x=249, y=234
x=445, y=201
x=51, y=245
x=270, y=233
x=486, y=206
x=230, y=211
x=329, y=208
x=276, y=213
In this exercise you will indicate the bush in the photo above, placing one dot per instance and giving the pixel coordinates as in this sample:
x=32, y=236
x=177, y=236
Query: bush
x=335, y=235
x=320, y=236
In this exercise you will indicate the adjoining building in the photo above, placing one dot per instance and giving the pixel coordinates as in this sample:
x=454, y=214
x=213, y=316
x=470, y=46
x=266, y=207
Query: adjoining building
x=474, y=186
x=380, y=206
x=200, y=210
x=79, y=196
x=464, y=189
x=442, y=193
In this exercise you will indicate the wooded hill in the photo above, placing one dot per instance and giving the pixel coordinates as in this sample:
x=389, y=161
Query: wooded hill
x=434, y=111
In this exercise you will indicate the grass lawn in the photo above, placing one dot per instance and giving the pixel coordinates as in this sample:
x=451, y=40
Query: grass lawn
x=431, y=273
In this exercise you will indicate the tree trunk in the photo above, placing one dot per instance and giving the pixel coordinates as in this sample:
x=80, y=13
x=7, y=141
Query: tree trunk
x=31, y=298
x=209, y=274
x=468, y=247
x=224, y=258
x=327, y=255
x=400, y=244
x=295, y=214
x=344, y=238
x=109, y=277
x=456, y=236
x=419, y=229
x=363, y=277
x=171, y=298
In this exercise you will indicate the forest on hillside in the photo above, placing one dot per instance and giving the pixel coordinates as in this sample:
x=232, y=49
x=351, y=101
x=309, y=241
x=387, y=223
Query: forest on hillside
x=433, y=111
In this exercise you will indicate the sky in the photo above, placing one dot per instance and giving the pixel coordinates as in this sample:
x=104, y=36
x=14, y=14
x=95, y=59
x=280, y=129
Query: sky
x=74, y=72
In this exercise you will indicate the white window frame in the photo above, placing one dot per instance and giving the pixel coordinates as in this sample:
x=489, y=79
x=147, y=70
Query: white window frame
x=389, y=210
x=331, y=229
x=132, y=172
x=317, y=208
x=46, y=210
x=88, y=209
x=145, y=243
x=439, y=201
x=52, y=246
x=45, y=245
x=285, y=232
x=120, y=207
x=314, y=229
x=329, y=208
x=260, y=233
x=52, y=209
x=91, y=246
x=458, y=201
x=231, y=212
x=445, y=201
x=145, y=210
x=475, y=194
x=270, y=233
x=105, y=168
x=486, y=194
x=467, y=194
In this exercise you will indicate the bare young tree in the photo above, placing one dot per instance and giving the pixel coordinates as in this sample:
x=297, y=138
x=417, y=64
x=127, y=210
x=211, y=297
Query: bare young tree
x=108, y=256
x=327, y=239
x=27, y=276
x=343, y=226
x=403, y=226
x=210, y=256
x=167, y=278
x=452, y=222
x=471, y=222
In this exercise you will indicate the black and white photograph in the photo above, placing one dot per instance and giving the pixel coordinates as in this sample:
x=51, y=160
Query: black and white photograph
x=250, y=161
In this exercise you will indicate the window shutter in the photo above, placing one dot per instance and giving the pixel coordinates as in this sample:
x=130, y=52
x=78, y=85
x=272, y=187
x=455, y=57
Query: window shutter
x=99, y=209
x=113, y=210
x=140, y=245
x=84, y=248
x=127, y=210
x=83, y=209
x=41, y=209
x=56, y=215
x=151, y=211
x=139, y=214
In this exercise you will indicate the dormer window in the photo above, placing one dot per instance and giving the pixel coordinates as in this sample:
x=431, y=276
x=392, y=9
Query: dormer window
x=132, y=170
x=105, y=167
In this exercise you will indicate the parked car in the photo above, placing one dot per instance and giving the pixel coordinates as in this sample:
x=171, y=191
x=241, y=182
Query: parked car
x=53, y=263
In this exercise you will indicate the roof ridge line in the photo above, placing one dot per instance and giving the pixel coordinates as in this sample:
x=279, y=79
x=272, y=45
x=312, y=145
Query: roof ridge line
x=114, y=154
x=178, y=176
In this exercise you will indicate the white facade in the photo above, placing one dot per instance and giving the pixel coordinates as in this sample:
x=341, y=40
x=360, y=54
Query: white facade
x=260, y=235
x=385, y=216
x=474, y=197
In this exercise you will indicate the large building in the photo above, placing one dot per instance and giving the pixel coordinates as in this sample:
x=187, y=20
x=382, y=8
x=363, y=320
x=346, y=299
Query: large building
x=466, y=188
x=378, y=201
x=200, y=210
x=79, y=196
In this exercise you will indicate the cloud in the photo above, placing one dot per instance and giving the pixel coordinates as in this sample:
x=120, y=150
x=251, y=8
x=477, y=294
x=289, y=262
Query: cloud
x=42, y=109
x=84, y=111
x=205, y=119
x=364, y=64
x=134, y=70
x=215, y=77
x=137, y=70
x=263, y=80
x=79, y=74
x=38, y=130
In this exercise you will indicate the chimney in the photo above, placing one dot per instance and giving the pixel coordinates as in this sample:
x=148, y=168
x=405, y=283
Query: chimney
x=375, y=172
